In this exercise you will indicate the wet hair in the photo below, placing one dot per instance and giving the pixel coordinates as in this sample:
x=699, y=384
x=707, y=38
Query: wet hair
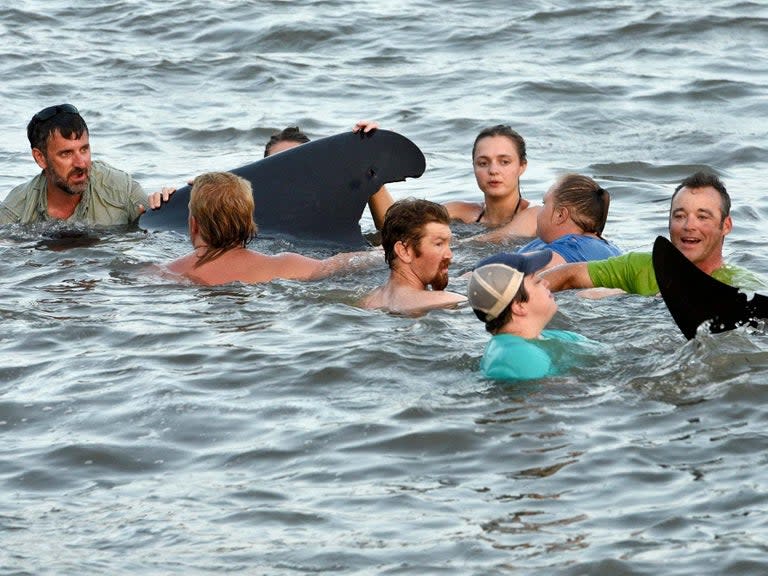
x=704, y=179
x=493, y=326
x=586, y=200
x=222, y=205
x=63, y=118
x=503, y=130
x=290, y=134
x=405, y=221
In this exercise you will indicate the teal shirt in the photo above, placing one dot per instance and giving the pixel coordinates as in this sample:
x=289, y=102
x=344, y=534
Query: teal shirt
x=633, y=273
x=510, y=357
x=112, y=198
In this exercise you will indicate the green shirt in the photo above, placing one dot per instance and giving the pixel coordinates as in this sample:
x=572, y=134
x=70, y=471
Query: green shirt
x=112, y=198
x=633, y=273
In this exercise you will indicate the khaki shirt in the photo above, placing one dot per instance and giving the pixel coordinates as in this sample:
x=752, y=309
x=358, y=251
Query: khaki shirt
x=112, y=198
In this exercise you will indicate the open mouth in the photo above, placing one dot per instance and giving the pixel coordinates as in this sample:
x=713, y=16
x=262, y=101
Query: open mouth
x=689, y=241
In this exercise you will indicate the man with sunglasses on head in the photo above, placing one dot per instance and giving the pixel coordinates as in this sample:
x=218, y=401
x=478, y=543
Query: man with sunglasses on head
x=71, y=186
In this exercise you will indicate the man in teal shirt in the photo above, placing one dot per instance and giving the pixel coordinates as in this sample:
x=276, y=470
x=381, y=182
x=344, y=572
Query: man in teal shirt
x=70, y=186
x=699, y=221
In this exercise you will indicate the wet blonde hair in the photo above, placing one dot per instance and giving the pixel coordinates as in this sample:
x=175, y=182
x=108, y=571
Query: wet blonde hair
x=222, y=205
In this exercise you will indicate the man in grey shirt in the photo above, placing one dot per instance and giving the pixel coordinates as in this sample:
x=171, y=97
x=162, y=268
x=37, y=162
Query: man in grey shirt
x=71, y=186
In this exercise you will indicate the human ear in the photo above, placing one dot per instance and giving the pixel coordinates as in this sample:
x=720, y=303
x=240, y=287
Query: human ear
x=194, y=227
x=39, y=157
x=727, y=225
x=402, y=251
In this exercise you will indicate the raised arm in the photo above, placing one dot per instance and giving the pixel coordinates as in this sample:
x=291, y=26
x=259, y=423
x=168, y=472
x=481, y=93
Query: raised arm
x=378, y=204
x=567, y=276
x=381, y=200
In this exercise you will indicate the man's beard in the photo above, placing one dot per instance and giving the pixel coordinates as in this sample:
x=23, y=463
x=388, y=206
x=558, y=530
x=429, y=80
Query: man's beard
x=440, y=281
x=62, y=184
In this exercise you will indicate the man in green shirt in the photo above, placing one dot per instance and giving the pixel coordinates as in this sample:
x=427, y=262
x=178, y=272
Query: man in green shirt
x=71, y=186
x=699, y=221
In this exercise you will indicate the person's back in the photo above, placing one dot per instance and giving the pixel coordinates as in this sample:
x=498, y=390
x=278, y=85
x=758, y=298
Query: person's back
x=247, y=266
x=221, y=226
x=574, y=248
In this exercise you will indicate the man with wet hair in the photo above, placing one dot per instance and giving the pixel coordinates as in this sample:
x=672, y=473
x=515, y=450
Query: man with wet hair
x=416, y=238
x=71, y=186
x=221, y=226
x=699, y=221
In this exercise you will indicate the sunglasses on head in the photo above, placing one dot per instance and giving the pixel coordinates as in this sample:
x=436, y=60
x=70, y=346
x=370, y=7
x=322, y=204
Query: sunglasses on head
x=51, y=111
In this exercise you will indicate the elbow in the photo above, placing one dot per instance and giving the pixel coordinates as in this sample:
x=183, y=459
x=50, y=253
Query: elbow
x=565, y=277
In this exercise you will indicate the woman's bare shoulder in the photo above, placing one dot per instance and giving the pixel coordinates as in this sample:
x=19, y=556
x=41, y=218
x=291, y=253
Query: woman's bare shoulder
x=464, y=211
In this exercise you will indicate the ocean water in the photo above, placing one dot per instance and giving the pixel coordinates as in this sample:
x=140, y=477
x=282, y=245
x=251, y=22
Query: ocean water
x=157, y=428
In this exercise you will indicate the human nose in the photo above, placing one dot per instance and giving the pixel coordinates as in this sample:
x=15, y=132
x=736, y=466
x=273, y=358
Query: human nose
x=80, y=159
x=689, y=222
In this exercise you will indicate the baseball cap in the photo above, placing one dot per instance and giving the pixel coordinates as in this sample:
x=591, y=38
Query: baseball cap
x=496, y=280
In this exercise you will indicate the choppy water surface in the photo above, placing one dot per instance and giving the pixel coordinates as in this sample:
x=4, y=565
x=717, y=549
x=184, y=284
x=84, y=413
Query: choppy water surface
x=156, y=428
